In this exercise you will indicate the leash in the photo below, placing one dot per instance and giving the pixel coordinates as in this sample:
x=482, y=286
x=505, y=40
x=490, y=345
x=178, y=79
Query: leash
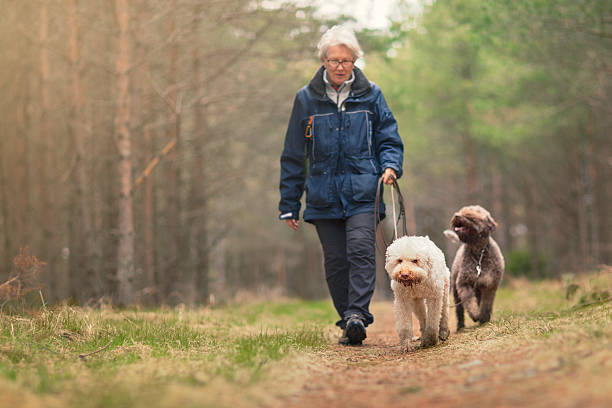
x=396, y=219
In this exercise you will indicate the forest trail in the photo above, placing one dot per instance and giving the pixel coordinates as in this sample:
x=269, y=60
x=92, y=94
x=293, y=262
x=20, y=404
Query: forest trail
x=482, y=367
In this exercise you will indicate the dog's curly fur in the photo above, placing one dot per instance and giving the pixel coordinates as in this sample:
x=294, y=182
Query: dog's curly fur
x=471, y=291
x=420, y=283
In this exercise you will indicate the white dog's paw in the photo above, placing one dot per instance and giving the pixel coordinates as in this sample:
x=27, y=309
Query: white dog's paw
x=429, y=340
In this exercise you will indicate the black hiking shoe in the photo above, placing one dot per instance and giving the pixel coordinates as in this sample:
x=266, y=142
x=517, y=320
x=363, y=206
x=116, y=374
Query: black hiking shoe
x=354, y=333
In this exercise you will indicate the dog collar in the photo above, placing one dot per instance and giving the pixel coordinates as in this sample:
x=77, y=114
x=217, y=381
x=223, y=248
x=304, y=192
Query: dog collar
x=479, y=264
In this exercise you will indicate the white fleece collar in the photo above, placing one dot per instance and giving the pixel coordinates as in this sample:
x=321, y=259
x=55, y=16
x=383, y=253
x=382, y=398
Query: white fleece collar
x=340, y=95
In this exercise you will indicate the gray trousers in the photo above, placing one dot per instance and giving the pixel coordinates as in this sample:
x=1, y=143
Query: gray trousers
x=350, y=264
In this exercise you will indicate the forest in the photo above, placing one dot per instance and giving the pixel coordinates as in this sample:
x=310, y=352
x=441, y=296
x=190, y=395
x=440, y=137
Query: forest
x=140, y=140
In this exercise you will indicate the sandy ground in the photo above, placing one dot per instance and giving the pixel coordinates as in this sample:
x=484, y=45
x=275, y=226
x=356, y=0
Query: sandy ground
x=462, y=371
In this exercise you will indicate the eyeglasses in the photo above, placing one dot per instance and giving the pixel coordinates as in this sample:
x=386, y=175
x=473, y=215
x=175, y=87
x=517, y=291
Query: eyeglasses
x=334, y=63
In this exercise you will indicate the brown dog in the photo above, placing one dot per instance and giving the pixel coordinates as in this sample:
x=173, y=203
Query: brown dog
x=478, y=267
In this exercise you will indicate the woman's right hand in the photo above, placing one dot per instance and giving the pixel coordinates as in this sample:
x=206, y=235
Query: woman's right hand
x=293, y=224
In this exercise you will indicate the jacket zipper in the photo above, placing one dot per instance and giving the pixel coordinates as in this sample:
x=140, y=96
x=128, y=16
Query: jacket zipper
x=369, y=131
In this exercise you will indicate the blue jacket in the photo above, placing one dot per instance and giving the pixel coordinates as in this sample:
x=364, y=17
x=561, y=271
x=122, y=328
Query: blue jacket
x=337, y=156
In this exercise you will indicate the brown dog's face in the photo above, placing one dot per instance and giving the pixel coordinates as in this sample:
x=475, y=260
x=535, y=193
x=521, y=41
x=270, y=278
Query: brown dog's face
x=472, y=223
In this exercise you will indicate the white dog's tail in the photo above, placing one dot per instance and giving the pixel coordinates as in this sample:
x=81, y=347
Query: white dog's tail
x=452, y=235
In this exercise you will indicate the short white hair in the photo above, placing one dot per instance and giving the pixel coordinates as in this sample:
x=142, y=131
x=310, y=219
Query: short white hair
x=339, y=35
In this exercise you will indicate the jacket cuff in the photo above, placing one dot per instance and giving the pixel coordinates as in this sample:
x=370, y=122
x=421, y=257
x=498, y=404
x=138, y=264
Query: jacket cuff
x=292, y=215
x=398, y=172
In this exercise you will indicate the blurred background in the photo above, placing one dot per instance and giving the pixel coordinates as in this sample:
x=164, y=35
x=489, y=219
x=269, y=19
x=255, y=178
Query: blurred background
x=140, y=139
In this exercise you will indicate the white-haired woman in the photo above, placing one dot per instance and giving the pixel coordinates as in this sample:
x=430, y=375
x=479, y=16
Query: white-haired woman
x=343, y=129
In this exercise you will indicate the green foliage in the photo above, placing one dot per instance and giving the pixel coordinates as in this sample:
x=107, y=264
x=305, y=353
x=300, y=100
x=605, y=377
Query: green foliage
x=506, y=89
x=520, y=263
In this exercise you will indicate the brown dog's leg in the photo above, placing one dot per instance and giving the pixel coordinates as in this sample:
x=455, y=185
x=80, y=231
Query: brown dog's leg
x=469, y=302
x=486, y=305
x=458, y=309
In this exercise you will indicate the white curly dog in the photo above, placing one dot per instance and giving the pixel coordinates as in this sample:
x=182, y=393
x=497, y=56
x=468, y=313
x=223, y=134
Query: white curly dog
x=420, y=282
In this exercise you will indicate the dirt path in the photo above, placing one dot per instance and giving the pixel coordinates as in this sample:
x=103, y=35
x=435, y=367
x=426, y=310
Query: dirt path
x=473, y=368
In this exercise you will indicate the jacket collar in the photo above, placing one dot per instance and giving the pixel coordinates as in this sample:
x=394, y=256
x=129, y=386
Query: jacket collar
x=360, y=85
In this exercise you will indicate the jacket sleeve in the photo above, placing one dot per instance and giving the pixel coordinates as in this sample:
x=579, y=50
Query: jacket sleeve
x=389, y=145
x=293, y=161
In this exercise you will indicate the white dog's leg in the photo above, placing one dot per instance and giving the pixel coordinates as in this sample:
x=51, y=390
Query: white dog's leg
x=403, y=321
x=444, y=331
x=429, y=336
x=420, y=310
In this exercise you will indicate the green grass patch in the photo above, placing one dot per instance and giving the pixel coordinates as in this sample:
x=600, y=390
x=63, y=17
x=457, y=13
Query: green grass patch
x=137, y=358
x=134, y=351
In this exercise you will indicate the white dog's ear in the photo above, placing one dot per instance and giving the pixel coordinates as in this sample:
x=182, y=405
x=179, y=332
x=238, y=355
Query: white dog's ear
x=428, y=263
x=388, y=264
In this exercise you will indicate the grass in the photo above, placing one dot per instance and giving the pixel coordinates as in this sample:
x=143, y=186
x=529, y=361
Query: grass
x=248, y=355
x=151, y=351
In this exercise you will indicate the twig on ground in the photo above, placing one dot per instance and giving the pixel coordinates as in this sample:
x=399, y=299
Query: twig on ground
x=84, y=356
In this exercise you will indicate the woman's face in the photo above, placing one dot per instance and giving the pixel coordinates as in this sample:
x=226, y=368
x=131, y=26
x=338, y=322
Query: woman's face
x=342, y=57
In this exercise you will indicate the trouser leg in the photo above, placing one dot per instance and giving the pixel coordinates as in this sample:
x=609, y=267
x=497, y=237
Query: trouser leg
x=360, y=251
x=332, y=236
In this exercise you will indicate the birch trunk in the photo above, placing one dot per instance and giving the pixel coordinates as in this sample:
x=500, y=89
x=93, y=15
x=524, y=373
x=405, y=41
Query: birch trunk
x=125, y=251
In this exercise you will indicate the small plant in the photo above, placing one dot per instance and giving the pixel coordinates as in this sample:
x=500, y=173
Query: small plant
x=24, y=278
x=596, y=290
x=570, y=286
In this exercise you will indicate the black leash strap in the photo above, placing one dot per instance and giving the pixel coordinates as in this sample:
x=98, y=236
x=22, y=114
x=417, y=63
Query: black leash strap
x=401, y=216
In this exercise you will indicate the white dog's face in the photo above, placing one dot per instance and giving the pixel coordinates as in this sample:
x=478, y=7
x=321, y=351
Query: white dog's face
x=407, y=261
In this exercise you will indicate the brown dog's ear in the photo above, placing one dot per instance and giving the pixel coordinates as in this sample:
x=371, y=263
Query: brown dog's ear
x=453, y=218
x=490, y=222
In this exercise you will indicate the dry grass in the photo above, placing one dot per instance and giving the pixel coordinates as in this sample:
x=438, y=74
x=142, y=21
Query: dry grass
x=24, y=277
x=541, y=349
x=544, y=346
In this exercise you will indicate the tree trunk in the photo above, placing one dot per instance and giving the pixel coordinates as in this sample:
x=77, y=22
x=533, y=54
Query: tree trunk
x=198, y=204
x=125, y=251
x=173, y=271
x=44, y=203
x=82, y=230
x=148, y=233
x=532, y=221
x=470, y=158
x=498, y=204
x=6, y=250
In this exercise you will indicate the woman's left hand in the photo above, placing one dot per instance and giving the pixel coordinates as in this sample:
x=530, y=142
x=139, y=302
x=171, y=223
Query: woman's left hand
x=389, y=175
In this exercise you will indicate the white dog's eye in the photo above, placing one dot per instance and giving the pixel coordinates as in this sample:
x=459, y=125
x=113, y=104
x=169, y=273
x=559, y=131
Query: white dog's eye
x=415, y=261
x=399, y=261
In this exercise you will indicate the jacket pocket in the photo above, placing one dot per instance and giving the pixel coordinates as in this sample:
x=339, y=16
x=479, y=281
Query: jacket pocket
x=319, y=190
x=359, y=133
x=364, y=187
x=324, y=138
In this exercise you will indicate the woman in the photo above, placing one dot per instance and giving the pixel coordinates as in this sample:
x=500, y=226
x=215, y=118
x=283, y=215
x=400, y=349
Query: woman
x=342, y=127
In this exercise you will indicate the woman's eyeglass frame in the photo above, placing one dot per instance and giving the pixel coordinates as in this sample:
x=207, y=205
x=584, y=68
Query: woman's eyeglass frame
x=334, y=63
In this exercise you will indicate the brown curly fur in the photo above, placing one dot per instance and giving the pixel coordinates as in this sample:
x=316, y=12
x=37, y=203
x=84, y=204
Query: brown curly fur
x=474, y=225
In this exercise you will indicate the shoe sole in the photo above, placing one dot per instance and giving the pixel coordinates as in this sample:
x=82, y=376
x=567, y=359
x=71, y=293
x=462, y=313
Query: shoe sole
x=355, y=333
